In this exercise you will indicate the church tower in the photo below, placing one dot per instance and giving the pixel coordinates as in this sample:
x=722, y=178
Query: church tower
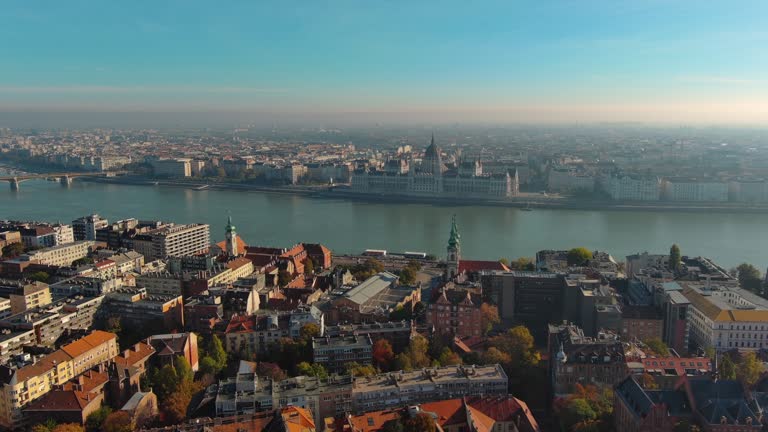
x=454, y=251
x=231, y=238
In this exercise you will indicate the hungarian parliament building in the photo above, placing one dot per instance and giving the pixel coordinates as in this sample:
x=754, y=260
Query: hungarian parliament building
x=433, y=178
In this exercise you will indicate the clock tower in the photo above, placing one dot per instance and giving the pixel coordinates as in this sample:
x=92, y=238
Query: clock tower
x=231, y=238
x=454, y=251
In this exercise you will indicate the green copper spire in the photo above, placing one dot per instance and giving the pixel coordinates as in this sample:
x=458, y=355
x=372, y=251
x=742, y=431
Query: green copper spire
x=455, y=236
x=230, y=227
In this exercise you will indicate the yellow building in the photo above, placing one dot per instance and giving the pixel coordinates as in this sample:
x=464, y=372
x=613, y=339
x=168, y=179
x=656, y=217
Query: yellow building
x=30, y=296
x=28, y=383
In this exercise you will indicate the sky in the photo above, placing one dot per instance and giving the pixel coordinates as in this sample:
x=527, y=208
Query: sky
x=511, y=61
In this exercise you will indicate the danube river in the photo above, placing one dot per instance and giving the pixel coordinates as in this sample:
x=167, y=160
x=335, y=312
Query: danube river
x=351, y=226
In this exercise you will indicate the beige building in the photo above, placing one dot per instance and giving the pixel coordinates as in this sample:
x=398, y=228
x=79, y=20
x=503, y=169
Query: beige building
x=61, y=256
x=28, y=383
x=32, y=295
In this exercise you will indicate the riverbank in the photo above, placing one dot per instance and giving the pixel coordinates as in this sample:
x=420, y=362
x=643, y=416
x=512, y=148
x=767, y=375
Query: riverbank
x=526, y=201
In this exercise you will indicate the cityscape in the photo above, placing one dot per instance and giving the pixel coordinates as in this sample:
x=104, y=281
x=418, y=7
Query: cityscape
x=384, y=217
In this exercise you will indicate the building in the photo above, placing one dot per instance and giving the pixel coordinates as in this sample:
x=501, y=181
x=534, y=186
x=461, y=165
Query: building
x=432, y=178
x=633, y=188
x=636, y=409
x=335, y=353
x=502, y=413
x=72, y=402
x=691, y=189
x=676, y=329
x=566, y=179
x=641, y=323
x=25, y=384
x=175, y=241
x=9, y=238
x=456, y=313
x=135, y=307
x=724, y=317
x=578, y=359
x=126, y=370
x=85, y=228
x=255, y=333
x=172, y=167
x=398, y=333
x=31, y=295
x=12, y=343
x=60, y=256
x=398, y=389
x=373, y=300
x=169, y=346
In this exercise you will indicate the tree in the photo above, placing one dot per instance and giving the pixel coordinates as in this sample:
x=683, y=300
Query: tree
x=309, y=331
x=647, y=382
x=518, y=343
x=383, y=354
x=270, y=370
x=578, y=256
x=13, y=250
x=217, y=353
x=750, y=369
x=208, y=366
x=420, y=423
x=118, y=421
x=283, y=277
x=523, y=264
x=44, y=427
x=658, y=347
x=175, y=406
x=40, y=276
x=312, y=369
x=726, y=368
x=95, y=419
x=490, y=316
x=449, y=358
x=164, y=381
x=674, y=257
x=68, y=427
x=749, y=277
x=309, y=267
x=504, y=261
x=403, y=362
x=393, y=426
x=358, y=370
x=417, y=352
x=401, y=313
x=493, y=356
x=114, y=324
x=407, y=276
x=576, y=410
x=184, y=373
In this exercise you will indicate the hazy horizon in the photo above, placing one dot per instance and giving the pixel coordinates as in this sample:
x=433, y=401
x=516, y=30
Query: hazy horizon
x=558, y=62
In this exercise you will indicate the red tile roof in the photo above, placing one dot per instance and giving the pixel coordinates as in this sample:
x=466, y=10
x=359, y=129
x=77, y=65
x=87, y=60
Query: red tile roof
x=470, y=266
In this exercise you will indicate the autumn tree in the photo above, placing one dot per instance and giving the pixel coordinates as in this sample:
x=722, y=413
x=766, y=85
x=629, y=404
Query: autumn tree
x=407, y=276
x=176, y=404
x=647, y=382
x=312, y=369
x=490, y=316
x=417, y=352
x=68, y=427
x=750, y=369
x=493, y=356
x=727, y=368
x=118, y=421
x=13, y=250
x=518, y=343
x=309, y=267
x=523, y=264
x=309, y=331
x=270, y=370
x=383, y=354
x=449, y=358
x=578, y=256
x=358, y=370
x=403, y=362
x=95, y=419
x=419, y=423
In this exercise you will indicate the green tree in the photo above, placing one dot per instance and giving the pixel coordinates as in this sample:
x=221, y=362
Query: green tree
x=208, y=365
x=184, y=373
x=417, y=352
x=13, y=250
x=577, y=410
x=383, y=354
x=403, y=363
x=504, y=261
x=68, y=427
x=523, y=264
x=493, y=356
x=749, y=277
x=674, y=257
x=270, y=370
x=449, y=358
x=95, y=419
x=44, y=427
x=358, y=370
x=118, y=421
x=164, y=381
x=750, y=369
x=726, y=368
x=407, y=276
x=647, y=382
x=283, y=277
x=309, y=267
x=579, y=256
x=312, y=369
x=518, y=343
x=401, y=313
x=40, y=276
x=217, y=353
x=658, y=347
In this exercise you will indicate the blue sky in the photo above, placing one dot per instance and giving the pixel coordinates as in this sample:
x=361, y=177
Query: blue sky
x=535, y=60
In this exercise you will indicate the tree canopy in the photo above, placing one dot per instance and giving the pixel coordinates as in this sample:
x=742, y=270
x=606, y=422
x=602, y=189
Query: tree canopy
x=674, y=257
x=658, y=347
x=579, y=256
x=749, y=277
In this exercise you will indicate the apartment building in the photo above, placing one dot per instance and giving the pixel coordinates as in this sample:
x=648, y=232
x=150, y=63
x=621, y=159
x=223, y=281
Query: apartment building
x=29, y=296
x=173, y=167
x=633, y=188
x=85, y=228
x=178, y=240
x=60, y=256
x=334, y=353
x=30, y=382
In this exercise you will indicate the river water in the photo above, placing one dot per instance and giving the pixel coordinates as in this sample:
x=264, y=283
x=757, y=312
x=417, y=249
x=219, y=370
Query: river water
x=272, y=219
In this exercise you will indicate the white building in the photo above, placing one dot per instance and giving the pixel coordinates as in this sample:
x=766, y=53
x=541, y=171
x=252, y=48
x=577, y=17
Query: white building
x=633, y=188
x=61, y=256
x=85, y=228
x=173, y=167
x=687, y=189
x=567, y=180
x=726, y=317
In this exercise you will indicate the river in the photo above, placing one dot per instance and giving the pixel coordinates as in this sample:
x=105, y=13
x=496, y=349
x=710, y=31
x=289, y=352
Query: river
x=272, y=219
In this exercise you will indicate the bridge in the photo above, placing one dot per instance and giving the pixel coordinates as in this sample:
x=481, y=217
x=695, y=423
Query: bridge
x=65, y=178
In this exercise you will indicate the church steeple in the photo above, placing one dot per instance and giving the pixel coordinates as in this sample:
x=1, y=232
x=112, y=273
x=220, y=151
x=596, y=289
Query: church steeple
x=454, y=251
x=231, y=238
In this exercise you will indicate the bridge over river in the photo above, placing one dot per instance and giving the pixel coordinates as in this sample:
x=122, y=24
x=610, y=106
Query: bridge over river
x=65, y=178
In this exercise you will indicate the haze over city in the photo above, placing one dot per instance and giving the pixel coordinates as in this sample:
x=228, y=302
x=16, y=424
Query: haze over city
x=347, y=62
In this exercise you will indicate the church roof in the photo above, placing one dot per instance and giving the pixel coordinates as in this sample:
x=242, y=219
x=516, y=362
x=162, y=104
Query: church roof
x=455, y=237
x=433, y=150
